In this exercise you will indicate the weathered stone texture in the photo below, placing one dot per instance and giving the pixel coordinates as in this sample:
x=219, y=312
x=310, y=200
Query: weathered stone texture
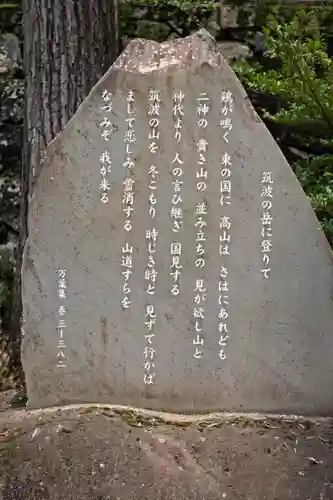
x=281, y=328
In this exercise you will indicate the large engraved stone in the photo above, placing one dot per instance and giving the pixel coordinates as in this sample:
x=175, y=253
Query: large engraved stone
x=271, y=348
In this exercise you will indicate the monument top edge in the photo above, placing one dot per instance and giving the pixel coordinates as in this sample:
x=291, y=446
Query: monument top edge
x=145, y=56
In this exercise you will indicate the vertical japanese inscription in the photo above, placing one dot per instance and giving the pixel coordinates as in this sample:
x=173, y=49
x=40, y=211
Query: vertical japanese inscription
x=151, y=236
x=226, y=102
x=62, y=286
x=128, y=200
x=266, y=221
x=202, y=109
x=105, y=158
x=176, y=212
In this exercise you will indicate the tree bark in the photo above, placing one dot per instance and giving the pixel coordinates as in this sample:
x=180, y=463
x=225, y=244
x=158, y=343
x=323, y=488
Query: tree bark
x=68, y=46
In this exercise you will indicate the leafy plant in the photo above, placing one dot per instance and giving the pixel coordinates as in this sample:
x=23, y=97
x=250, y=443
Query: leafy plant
x=302, y=78
x=316, y=177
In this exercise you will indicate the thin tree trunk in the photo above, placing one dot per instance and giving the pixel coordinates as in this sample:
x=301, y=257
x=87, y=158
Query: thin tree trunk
x=68, y=46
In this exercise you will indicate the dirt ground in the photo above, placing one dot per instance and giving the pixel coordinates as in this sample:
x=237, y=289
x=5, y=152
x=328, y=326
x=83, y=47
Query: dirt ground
x=101, y=453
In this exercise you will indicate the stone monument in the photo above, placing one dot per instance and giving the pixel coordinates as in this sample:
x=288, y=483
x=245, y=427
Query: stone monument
x=173, y=260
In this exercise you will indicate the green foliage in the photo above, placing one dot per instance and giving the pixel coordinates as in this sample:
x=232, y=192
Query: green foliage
x=316, y=177
x=152, y=31
x=178, y=16
x=305, y=74
x=302, y=78
x=183, y=5
x=306, y=70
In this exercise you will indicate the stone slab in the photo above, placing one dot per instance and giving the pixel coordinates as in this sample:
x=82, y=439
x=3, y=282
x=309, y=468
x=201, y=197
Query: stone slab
x=271, y=349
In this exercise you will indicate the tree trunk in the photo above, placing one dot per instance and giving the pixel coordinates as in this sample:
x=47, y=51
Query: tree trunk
x=68, y=46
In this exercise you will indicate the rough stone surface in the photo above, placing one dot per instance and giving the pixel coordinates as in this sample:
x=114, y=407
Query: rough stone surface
x=234, y=51
x=10, y=53
x=98, y=453
x=280, y=329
